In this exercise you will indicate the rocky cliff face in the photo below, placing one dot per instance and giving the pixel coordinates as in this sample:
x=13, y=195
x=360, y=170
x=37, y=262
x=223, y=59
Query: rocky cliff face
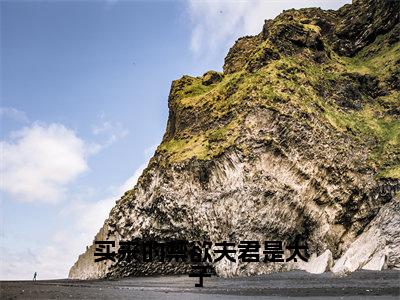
x=298, y=138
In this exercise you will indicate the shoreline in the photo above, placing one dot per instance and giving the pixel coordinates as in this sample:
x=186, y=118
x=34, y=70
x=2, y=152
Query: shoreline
x=294, y=284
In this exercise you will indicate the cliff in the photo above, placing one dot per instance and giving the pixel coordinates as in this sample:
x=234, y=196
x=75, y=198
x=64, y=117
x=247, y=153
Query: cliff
x=298, y=138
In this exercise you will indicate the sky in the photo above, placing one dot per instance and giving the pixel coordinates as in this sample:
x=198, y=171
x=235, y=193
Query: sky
x=84, y=104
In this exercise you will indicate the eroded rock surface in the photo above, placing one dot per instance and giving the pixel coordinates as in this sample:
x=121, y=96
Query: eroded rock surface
x=378, y=246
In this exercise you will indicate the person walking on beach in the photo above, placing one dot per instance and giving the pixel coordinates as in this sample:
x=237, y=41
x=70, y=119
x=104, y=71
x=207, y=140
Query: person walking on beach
x=34, y=276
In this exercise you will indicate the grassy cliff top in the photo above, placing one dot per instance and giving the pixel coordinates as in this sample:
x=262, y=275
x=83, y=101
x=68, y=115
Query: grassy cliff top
x=306, y=67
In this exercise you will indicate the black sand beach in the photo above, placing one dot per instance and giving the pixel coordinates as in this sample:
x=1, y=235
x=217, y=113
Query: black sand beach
x=293, y=285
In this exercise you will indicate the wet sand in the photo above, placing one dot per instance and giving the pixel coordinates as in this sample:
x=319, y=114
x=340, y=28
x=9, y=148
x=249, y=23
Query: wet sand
x=293, y=285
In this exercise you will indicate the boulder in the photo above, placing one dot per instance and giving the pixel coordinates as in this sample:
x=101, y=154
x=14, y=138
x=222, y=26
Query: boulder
x=318, y=264
x=377, y=244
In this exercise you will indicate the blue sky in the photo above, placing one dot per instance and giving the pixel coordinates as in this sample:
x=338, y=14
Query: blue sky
x=84, y=88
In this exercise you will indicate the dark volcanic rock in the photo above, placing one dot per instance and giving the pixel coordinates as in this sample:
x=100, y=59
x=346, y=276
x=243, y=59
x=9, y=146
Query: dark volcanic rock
x=362, y=22
x=211, y=77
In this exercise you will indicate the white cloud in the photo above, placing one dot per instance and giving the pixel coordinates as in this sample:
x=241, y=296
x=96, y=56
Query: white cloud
x=18, y=263
x=55, y=258
x=85, y=218
x=110, y=131
x=149, y=151
x=37, y=162
x=14, y=114
x=217, y=24
x=131, y=181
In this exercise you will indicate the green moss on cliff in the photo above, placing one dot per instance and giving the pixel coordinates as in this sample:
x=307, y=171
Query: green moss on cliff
x=294, y=86
x=205, y=145
x=391, y=173
x=376, y=59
